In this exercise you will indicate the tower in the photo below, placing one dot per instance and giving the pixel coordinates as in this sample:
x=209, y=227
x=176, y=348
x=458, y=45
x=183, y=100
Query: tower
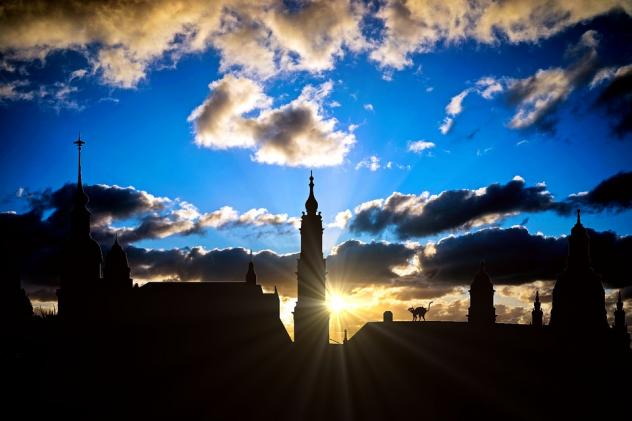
x=251, y=276
x=578, y=295
x=116, y=268
x=482, y=311
x=619, y=316
x=536, y=313
x=311, y=318
x=82, y=258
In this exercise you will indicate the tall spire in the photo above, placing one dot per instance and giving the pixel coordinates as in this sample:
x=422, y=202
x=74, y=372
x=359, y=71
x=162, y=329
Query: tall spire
x=311, y=205
x=81, y=199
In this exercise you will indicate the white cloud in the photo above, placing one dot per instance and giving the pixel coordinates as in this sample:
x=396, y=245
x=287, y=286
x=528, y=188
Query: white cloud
x=368, y=107
x=372, y=163
x=123, y=40
x=446, y=125
x=294, y=134
x=417, y=26
x=454, y=108
x=419, y=146
x=341, y=220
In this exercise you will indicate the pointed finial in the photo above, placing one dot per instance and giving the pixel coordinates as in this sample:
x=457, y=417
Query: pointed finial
x=537, y=296
x=579, y=221
x=79, y=142
x=275, y=290
x=250, y=255
x=345, y=339
x=81, y=198
x=116, y=238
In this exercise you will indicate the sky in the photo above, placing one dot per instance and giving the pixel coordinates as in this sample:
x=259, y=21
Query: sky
x=440, y=133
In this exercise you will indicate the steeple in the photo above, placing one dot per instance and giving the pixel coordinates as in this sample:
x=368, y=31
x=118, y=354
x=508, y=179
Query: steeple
x=619, y=316
x=82, y=255
x=311, y=318
x=81, y=199
x=251, y=276
x=536, y=313
x=311, y=204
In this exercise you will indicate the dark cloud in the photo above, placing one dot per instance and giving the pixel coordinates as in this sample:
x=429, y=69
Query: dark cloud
x=227, y=265
x=106, y=202
x=354, y=262
x=613, y=193
x=514, y=256
x=412, y=216
x=420, y=215
x=616, y=99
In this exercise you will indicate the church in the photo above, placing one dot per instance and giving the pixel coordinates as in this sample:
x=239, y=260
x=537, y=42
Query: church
x=100, y=292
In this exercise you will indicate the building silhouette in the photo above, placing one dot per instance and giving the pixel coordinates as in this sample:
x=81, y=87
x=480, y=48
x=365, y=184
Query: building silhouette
x=311, y=318
x=218, y=350
x=482, y=311
x=94, y=294
x=536, y=313
x=578, y=295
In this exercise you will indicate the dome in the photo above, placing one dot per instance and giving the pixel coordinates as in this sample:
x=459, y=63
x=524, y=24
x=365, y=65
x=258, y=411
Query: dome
x=482, y=279
x=311, y=205
x=116, y=266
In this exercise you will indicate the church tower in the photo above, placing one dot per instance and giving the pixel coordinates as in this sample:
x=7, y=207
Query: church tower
x=578, y=296
x=82, y=258
x=311, y=318
x=482, y=311
x=536, y=313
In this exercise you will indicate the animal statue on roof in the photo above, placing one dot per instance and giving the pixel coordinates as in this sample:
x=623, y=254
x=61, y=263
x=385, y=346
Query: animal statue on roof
x=419, y=313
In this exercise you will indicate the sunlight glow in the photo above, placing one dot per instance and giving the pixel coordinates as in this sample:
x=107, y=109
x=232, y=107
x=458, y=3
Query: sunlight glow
x=336, y=303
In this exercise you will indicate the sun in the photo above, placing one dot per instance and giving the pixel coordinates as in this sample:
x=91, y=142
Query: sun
x=337, y=303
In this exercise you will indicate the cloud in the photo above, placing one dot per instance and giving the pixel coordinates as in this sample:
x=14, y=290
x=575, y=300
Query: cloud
x=294, y=134
x=134, y=215
x=537, y=97
x=616, y=98
x=372, y=163
x=613, y=193
x=418, y=146
x=513, y=256
x=453, y=109
x=368, y=107
x=419, y=26
x=421, y=215
x=341, y=220
x=122, y=41
x=487, y=87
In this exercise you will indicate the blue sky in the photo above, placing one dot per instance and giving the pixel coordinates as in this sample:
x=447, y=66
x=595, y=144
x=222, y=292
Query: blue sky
x=520, y=83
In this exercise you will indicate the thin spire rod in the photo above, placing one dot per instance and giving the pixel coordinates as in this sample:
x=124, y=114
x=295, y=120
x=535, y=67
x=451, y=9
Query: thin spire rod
x=79, y=144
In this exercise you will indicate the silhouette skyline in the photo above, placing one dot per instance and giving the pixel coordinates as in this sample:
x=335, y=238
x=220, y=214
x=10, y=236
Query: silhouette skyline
x=316, y=209
x=231, y=334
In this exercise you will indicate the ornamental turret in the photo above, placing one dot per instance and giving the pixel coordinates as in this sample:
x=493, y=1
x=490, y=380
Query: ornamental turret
x=482, y=311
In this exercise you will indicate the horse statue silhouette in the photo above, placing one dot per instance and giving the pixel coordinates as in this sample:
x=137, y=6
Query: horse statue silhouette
x=420, y=312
